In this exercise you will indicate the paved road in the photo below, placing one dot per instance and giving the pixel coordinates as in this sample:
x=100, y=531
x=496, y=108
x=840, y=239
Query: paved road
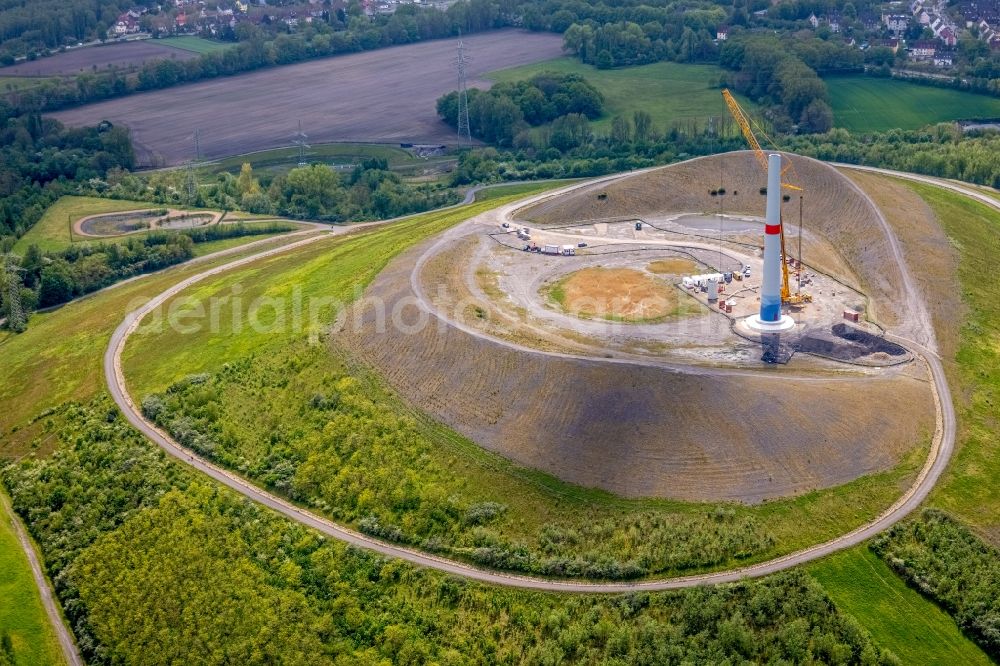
x=66, y=642
x=937, y=460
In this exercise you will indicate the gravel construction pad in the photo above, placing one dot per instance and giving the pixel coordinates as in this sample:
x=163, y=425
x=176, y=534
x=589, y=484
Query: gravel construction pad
x=387, y=95
x=832, y=208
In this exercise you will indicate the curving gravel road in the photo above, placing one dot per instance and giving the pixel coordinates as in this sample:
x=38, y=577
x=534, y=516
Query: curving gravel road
x=937, y=460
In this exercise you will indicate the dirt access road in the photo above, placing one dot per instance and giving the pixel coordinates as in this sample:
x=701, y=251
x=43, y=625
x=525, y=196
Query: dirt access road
x=66, y=642
x=381, y=96
x=937, y=460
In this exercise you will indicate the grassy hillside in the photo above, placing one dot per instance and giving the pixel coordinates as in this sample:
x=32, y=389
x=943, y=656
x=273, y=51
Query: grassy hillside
x=969, y=489
x=58, y=358
x=864, y=104
x=916, y=630
x=22, y=618
x=194, y=44
x=186, y=570
x=668, y=91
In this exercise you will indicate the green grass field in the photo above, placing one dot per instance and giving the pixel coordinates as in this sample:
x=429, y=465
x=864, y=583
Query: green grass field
x=195, y=44
x=897, y=617
x=865, y=104
x=669, y=92
x=519, y=188
x=22, y=617
x=673, y=92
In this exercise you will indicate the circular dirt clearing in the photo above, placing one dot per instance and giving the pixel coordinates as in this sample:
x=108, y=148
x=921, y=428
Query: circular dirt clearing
x=617, y=294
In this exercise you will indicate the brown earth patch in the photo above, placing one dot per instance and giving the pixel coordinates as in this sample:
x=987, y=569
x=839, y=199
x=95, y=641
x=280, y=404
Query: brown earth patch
x=621, y=294
x=672, y=267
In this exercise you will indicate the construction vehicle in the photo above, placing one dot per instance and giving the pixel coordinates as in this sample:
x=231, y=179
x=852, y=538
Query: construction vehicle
x=798, y=299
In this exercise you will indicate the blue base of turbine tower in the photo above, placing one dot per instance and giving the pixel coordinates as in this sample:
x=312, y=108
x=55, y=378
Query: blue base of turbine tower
x=770, y=309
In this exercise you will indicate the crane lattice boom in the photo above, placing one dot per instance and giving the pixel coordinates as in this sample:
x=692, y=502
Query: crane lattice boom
x=744, y=122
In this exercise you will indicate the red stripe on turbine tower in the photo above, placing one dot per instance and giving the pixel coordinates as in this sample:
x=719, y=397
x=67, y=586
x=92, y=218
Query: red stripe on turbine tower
x=772, y=229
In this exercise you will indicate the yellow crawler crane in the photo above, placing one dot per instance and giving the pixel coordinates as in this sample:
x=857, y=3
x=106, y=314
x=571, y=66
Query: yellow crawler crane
x=743, y=120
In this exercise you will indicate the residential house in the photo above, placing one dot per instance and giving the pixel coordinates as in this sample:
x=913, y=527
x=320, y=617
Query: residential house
x=896, y=23
x=126, y=24
x=722, y=33
x=924, y=49
x=943, y=58
x=948, y=36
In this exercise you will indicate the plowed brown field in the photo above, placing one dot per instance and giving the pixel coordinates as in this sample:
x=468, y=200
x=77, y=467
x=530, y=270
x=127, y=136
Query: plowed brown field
x=86, y=60
x=386, y=95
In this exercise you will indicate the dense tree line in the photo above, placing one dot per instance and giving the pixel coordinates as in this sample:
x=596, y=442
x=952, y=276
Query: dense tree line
x=370, y=191
x=154, y=566
x=767, y=71
x=503, y=114
x=568, y=148
x=636, y=142
x=688, y=38
x=341, y=444
x=41, y=280
x=948, y=563
x=40, y=160
x=942, y=150
x=41, y=26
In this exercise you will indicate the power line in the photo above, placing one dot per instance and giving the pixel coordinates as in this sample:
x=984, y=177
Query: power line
x=464, y=129
x=301, y=140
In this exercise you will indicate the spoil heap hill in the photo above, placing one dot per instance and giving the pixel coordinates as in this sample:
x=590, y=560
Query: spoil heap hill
x=834, y=208
x=643, y=430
